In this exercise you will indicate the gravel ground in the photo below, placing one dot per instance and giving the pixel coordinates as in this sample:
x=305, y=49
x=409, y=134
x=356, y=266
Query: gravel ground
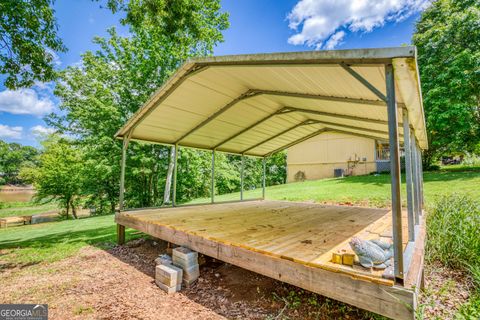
x=118, y=284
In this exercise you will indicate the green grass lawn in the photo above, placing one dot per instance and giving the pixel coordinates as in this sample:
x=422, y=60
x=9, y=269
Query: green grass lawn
x=10, y=209
x=56, y=240
x=48, y=242
x=371, y=190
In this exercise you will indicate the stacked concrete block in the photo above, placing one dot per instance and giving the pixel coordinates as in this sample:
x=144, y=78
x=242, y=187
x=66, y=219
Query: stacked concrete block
x=168, y=278
x=163, y=259
x=187, y=260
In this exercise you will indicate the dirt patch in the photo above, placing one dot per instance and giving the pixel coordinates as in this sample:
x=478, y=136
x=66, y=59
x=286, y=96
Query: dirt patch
x=118, y=284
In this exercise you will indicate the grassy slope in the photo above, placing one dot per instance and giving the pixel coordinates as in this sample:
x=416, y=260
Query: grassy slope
x=367, y=190
x=53, y=241
x=26, y=209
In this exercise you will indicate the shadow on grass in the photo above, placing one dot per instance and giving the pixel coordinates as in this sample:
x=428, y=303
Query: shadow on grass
x=442, y=175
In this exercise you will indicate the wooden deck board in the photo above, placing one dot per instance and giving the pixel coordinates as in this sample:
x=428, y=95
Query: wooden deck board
x=302, y=232
x=289, y=241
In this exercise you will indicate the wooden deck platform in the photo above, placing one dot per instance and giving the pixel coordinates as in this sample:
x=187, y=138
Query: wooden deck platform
x=289, y=241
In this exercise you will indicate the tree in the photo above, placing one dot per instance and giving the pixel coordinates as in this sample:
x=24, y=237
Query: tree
x=448, y=40
x=28, y=40
x=111, y=84
x=12, y=157
x=59, y=173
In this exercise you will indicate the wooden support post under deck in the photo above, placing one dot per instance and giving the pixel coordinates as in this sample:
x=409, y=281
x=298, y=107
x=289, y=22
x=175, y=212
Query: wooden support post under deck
x=242, y=172
x=213, y=177
x=408, y=174
x=174, y=196
x=395, y=174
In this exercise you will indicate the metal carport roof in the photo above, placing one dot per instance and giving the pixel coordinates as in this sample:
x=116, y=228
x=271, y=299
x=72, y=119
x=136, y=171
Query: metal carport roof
x=262, y=103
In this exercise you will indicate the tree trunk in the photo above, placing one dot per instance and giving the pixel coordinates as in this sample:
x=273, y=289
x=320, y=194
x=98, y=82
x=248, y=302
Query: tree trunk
x=74, y=212
x=168, y=181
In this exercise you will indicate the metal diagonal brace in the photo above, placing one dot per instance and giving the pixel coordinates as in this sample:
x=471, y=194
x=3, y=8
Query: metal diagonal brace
x=364, y=81
x=283, y=110
x=304, y=123
x=247, y=94
x=297, y=141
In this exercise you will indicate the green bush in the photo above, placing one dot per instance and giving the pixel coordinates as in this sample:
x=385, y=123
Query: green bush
x=453, y=233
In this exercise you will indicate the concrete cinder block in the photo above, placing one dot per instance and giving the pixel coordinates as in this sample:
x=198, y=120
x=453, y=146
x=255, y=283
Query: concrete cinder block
x=184, y=257
x=168, y=275
x=168, y=289
x=192, y=273
x=163, y=259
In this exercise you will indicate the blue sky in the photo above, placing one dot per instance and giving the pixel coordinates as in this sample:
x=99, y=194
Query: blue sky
x=255, y=26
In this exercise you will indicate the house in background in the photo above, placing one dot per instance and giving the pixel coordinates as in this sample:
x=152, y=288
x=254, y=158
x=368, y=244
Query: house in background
x=333, y=154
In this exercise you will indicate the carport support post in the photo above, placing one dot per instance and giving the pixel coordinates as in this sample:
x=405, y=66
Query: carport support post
x=395, y=174
x=213, y=177
x=408, y=174
x=242, y=170
x=420, y=178
x=121, y=228
x=174, y=196
x=263, y=177
x=416, y=182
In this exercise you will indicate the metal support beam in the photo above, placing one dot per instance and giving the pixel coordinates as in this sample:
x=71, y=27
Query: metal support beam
x=395, y=174
x=415, y=175
x=174, y=196
x=339, y=116
x=278, y=112
x=364, y=81
x=321, y=97
x=248, y=94
x=420, y=170
x=355, y=134
x=408, y=179
x=213, y=178
x=120, y=228
x=291, y=144
x=304, y=123
x=264, y=165
x=331, y=124
x=126, y=141
x=242, y=171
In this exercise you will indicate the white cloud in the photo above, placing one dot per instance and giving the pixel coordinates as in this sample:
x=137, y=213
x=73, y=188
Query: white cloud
x=10, y=132
x=25, y=101
x=319, y=22
x=41, y=131
x=335, y=40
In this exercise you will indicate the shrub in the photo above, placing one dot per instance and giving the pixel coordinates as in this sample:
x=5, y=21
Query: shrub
x=453, y=233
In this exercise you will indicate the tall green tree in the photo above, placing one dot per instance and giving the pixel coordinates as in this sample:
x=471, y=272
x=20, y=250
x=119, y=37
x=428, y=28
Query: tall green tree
x=12, y=157
x=59, y=173
x=112, y=83
x=28, y=42
x=448, y=40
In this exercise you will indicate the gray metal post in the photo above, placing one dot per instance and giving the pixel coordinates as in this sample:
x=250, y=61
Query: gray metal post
x=174, y=196
x=121, y=228
x=263, y=176
x=413, y=148
x=420, y=170
x=395, y=173
x=408, y=174
x=241, y=177
x=213, y=177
